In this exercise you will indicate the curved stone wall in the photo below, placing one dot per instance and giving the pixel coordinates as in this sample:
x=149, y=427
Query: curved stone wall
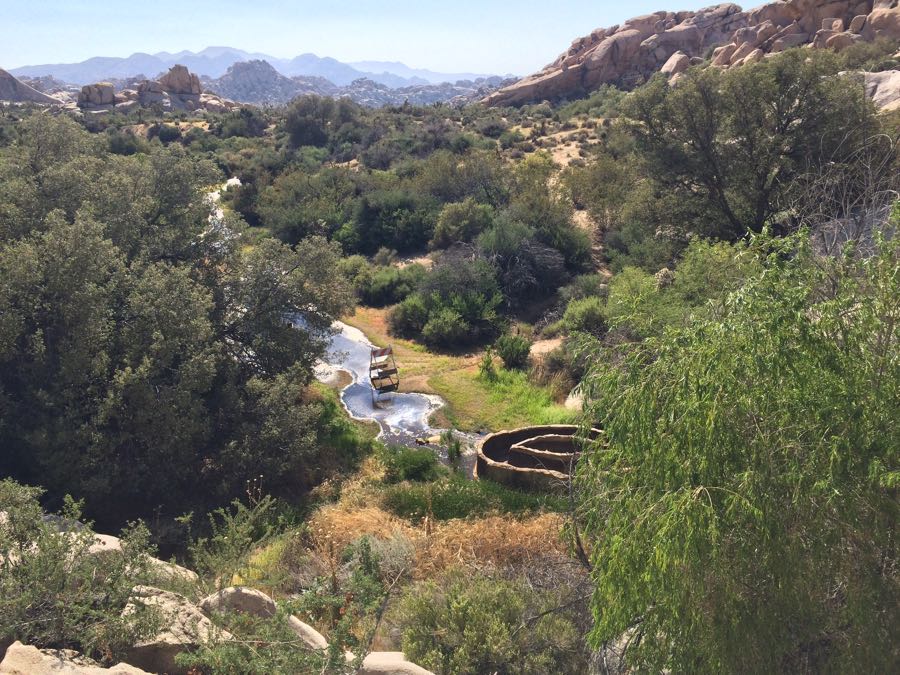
x=536, y=457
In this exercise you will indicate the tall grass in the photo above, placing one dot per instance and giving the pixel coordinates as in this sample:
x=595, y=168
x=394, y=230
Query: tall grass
x=514, y=397
x=458, y=497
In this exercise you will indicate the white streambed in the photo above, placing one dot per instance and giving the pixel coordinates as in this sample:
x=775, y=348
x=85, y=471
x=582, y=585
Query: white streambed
x=403, y=418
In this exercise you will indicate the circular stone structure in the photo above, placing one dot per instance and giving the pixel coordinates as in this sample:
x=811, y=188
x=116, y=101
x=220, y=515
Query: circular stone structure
x=539, y=457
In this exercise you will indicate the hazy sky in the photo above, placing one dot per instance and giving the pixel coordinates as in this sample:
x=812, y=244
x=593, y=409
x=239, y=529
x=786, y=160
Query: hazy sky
x=516, y=36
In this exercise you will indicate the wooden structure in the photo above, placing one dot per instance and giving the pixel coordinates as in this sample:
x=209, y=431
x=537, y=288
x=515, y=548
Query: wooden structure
x=383, y=373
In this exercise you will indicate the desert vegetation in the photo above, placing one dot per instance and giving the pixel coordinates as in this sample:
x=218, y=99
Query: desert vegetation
x=705, y=272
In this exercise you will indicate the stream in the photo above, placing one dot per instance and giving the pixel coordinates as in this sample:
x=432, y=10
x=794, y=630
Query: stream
x=403, y=416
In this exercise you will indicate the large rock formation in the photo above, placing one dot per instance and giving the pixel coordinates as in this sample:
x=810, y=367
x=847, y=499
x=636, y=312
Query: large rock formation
x=259, y=83
x=179, y=80
x=628, y=54
x=178, y=89
x=17, y=91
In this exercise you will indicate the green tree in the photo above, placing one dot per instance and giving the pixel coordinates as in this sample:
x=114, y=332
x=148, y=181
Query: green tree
x=147, y=360
x=734, y=140
x=742, y=509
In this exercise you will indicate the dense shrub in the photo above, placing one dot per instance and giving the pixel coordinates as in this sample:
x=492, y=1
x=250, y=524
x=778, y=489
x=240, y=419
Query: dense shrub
x=461, y=222
x=473, y=624
x=526, y=268
x=583, y=286
x=54, y=593
x=510, y=138
x=389, y=285
x=456, y=304
x=416, y=464
x=585, y=315
x=493, y=127
x=513, y=350
x=409, y=317
x=445, y=328
x=763, y=442
x=396, y=218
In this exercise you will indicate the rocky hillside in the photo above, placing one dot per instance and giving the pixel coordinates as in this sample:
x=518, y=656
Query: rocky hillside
x=367, y=92
x=628, y=54
x=17, y=91
x=178, y=89
x=258, y=82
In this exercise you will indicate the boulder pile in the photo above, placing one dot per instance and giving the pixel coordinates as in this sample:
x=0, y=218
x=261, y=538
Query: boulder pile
x=671, y=41
x=178, y=89
x=187, y=626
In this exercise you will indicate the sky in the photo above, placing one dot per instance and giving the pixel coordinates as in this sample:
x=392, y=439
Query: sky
x=482, y=36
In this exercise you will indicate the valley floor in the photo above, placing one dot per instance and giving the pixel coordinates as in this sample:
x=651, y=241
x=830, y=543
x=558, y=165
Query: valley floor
x=474, y=404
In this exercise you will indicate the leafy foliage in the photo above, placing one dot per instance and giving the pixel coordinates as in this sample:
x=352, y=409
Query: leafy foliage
x=485, y=625
x=742, y=508
x=735, y=139
x=460, y=497
x=55, y=592
x=456, y=304
x=513, y=350
x=146, y=360
x=416, y=464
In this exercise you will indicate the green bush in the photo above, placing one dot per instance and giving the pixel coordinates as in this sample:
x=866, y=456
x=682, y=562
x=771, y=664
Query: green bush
x=477, y=624
x=744, y=502
x=453, y=445
x=389, y=285
x=55, y=593
x=513, y=350
x=445, y=328
x=510, y=138
x=168, y=133
x=409, y=317
x=456, y=304
x=263, y=645
x=461, y=222
x=416, y=464
x=586, y=315
x=584, y=286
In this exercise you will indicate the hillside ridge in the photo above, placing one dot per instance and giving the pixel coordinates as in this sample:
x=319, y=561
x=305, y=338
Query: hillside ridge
x=626, y=55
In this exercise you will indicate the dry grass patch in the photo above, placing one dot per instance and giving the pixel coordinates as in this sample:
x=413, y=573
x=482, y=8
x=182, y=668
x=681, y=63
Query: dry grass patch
x=496, y=541
x=341, y=524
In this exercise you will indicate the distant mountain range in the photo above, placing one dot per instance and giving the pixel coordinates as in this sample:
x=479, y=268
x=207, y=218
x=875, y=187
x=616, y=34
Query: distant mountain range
x=214, y=62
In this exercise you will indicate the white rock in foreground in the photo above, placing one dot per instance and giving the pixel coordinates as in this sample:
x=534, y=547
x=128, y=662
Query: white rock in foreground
x=239, y=599
x=309, y=635
x=184, y=628
x=390, y=663
x=25, y=660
